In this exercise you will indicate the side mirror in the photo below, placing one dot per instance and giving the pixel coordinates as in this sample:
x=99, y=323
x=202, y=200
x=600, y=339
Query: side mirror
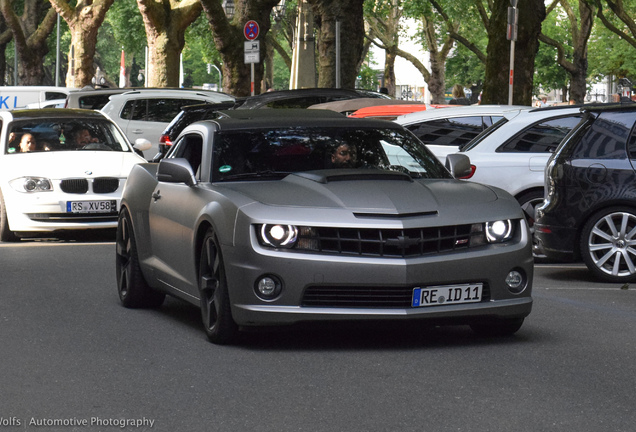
x=142, y=144
x=459, y=165
x=177, y=170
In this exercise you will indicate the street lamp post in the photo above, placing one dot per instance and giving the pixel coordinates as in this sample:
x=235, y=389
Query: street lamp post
x=228, y=7
x=513, y=17
x=278, y=12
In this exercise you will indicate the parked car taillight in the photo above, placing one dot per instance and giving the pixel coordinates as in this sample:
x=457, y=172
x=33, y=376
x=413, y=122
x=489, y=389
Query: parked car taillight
x=165, y=140
x=473, y=168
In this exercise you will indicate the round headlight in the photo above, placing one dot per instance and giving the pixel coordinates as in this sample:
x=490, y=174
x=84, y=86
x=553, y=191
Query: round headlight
x=279, y=235
x=30, y=185
x=498, y=231
x=44, y=185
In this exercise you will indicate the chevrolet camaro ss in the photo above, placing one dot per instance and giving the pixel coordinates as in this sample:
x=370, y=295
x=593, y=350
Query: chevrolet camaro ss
x=268, y=217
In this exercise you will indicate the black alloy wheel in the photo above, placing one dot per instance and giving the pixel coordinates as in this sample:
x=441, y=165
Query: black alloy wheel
x=215, y=300
x=134, y=291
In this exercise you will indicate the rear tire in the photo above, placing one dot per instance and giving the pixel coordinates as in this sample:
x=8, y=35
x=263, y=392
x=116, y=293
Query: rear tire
x=6, y=235
x=216, y=313
x=608, y=244
x=134, y=291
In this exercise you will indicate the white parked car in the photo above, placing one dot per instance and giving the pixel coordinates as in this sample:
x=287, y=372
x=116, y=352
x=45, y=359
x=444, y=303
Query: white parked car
x=145, y=113
x=513, y=153
x=446, y=130
x=61, y=169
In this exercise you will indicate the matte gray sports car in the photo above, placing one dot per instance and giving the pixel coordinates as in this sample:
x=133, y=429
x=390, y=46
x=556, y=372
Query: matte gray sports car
x=282, y=216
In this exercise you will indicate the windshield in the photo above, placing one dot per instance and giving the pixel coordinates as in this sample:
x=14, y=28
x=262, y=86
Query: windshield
x=65, y=134
x=275, y=153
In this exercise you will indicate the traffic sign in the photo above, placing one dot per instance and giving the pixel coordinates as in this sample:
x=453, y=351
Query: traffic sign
x=252, y=51
x=251, y=30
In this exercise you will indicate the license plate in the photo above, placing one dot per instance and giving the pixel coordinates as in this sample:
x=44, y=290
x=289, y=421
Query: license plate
x=109, y=206
x=447, y=294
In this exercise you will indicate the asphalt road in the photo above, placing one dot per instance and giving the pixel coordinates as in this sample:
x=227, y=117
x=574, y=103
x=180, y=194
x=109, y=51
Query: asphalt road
x=73, y=359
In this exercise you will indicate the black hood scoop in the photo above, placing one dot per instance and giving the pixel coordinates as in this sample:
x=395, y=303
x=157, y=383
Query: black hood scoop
x=338, y=175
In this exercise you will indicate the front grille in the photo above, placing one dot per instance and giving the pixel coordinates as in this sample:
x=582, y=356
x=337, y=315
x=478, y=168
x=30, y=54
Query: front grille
x=365, y=296
x=390, y=243
x=74, y=186
x=101, y=185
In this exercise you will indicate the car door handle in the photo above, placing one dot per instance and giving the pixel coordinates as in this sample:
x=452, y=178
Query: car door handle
x=137, y=131
x=156, y=195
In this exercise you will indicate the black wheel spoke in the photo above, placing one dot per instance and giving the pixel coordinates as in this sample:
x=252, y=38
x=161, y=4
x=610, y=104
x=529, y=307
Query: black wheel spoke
x=215, y=307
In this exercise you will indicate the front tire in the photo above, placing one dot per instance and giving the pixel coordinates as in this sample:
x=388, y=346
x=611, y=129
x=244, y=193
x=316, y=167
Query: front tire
x=134, y=291
x=215, y=300
x=6, y=235
x=608, y=244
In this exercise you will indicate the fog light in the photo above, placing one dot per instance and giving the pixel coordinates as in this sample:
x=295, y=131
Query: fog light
x=515, y=282
x=268, y=287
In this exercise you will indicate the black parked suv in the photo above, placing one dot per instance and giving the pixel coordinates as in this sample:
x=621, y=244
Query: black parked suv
x=589, y=211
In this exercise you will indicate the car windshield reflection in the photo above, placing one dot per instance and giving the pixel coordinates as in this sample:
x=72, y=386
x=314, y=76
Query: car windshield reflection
x=64, y=135
x=270, y=154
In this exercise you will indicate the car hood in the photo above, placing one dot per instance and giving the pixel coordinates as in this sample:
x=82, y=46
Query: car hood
x=66, y=164
x=369, y=193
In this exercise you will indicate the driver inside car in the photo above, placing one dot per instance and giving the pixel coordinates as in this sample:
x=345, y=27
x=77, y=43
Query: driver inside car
x=344, y=156
x=82, y=137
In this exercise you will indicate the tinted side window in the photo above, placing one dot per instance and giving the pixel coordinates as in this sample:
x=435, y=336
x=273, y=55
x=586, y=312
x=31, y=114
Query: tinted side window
x=190, y=147
x=54, y=95
x=159, y=110
x=607, y=137
x=451, y=132
x=95, y=102
x=541, y=137
x=126, y=112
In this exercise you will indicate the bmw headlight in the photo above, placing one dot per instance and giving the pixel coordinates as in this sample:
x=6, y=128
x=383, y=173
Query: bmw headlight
x=31, y=184
x=279, y=236
x=499, y=231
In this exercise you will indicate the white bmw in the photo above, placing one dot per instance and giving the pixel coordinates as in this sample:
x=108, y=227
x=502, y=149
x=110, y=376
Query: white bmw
x=61, y=169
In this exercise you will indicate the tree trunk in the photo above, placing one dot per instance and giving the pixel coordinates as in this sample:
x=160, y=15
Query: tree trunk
x=437, y=80
x=496, y=85
x=389, y=71
x=229, y=39
x=350, y=15
x=84, y=20
x=30, y=38
x=166, y=22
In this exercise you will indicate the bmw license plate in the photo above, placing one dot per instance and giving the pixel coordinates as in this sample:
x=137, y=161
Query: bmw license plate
x=447, y=294
x=109, y=206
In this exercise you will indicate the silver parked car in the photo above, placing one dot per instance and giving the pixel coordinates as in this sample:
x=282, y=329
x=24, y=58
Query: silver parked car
x=268, y=217
x=145, y=113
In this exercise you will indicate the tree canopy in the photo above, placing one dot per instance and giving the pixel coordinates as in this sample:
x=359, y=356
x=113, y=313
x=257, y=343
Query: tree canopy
x=566, y=44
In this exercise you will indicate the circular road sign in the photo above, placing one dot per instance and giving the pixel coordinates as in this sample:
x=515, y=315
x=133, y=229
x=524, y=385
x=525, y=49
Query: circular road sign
x=251, y=30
